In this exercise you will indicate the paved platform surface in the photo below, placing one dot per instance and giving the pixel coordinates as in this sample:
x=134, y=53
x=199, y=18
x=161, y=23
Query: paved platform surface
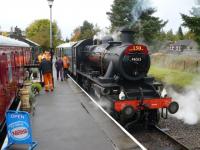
x=67, y=120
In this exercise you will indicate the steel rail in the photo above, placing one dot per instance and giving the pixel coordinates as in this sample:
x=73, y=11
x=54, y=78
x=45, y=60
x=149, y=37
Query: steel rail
x=171, y=138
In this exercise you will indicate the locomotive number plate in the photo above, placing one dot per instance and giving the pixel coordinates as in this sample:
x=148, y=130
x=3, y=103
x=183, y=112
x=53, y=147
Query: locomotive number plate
x=135, y=58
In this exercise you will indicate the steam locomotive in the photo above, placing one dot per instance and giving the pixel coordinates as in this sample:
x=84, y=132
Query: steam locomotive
x=13, y=56
x=118, y=71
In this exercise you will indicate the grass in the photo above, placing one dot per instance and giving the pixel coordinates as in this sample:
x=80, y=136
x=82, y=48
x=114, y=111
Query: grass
x=173, y=77
x=184, y=63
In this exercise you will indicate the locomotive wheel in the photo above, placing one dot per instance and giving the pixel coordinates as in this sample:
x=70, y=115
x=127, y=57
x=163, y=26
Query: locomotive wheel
x=86, y=84
x=154, y=117
x=79, y=79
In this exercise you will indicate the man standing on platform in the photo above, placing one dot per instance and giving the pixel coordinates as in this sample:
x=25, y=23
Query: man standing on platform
x=59, y=68
x=65, y=65
x=46, y=68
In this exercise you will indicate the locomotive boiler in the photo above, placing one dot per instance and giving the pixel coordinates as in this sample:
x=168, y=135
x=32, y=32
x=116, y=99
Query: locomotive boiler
x=117, y=71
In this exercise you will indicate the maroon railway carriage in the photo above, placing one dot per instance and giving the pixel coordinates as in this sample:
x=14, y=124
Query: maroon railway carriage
x=13, y=56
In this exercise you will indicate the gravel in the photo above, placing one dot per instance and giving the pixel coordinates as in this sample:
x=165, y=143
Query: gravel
x=189, y=135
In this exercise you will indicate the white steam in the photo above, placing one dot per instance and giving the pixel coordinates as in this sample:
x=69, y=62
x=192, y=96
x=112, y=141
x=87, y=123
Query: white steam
x=105, y=32
x=189, y=104
x=105, y=103
x=197, y=2
x=139, y=7
x=101, y=33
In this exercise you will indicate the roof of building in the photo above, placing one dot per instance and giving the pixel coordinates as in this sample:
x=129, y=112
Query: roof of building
x=5, y=41
x=183, y=42
x=36, y=44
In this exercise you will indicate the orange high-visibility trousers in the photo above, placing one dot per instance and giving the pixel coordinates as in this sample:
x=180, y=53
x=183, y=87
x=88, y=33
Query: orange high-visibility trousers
x=48, y=83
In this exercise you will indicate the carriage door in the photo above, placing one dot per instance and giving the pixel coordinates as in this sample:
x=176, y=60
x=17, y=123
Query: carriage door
x=4, y=92
x=74, y=60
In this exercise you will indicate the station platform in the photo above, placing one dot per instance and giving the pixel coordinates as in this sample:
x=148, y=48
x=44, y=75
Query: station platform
x=66, y=119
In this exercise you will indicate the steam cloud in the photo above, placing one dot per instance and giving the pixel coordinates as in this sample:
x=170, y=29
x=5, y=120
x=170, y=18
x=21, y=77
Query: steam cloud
x=105, y=32
x=139, y=7
x=197, y=2
x=102, y=33
x=189, y=104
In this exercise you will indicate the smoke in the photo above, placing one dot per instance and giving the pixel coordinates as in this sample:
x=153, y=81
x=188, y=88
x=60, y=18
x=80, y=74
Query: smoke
x=105, y=103
x=101, y=33
x=105, y=32
x=189, y=103
x=139, y=7
x=197, y=2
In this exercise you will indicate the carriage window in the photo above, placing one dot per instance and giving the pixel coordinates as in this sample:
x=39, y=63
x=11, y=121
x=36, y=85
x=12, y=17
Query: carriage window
x=68, y=51
x=9, y=68
x=1, y=70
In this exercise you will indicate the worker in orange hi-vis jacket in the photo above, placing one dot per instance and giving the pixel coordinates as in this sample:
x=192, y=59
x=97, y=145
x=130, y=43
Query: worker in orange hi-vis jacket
x=40, y=58
x=65, y=66
x=46, y=68
x=47, y=55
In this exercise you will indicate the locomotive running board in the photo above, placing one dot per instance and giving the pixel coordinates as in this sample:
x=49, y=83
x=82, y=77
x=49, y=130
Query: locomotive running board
x=96, y=80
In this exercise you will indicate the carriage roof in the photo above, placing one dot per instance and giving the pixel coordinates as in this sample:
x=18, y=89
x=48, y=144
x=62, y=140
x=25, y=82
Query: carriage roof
x=5, y=41
x=66, y=45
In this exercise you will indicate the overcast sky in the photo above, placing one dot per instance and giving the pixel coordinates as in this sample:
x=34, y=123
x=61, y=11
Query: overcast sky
x=71, y=13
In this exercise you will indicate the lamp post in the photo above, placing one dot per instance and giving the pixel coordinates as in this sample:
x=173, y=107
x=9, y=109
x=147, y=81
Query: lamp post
x=50, y=2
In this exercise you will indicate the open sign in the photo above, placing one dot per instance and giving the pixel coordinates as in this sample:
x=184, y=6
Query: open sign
x=19, y=128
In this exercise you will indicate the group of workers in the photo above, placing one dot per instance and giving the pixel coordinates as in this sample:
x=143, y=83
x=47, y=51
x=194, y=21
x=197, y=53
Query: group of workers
x=45, y=69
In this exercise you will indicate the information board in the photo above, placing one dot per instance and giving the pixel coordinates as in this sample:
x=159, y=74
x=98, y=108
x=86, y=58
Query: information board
x=19, y=128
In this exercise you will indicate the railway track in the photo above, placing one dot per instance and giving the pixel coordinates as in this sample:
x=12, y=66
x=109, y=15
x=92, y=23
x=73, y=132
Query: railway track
x=157, y=139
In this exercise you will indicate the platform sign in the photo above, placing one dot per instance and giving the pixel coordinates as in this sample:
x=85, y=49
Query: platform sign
x=19, y=128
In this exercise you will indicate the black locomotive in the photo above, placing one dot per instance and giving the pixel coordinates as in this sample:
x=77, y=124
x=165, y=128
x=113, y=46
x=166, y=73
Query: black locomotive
x=118, y=72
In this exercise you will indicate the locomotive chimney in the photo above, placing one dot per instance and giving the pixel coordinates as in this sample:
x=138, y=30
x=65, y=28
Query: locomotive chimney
x=126, y=35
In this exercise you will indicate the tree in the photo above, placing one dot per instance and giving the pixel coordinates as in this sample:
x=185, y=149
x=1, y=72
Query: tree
x=193, y=23
x=121, y=13
x=132, y=13
x=170, y=36
x=86, y=31
x=38, y=31
x=67, y=39
x=150, y=26
x=189, y=35
x=76, y=34
x=180, y=33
